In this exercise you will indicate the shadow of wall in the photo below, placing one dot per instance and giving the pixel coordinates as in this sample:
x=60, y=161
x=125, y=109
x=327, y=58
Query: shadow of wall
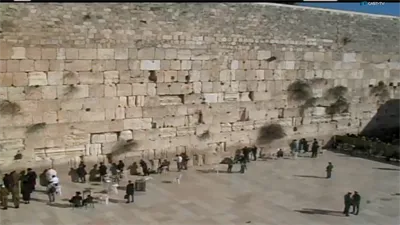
x=385, y=124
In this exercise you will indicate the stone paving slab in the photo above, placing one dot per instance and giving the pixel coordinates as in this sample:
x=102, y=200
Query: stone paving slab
x=271, y=192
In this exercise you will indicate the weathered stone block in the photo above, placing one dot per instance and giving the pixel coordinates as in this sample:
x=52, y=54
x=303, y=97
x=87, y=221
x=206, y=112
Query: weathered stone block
x=37, y=78
x=171, y=54
x=91, y=77
x=150, y=65
x=93, y=149
x=27, y=65
x=49, y=53
x=55, y=78
x=146, y=53
x=13, y=65
x=137, y=124
x=125, y=135
x=103, y=53
x=78, y=65
x=87, y=53
x=139, y=89
x=18, y=53
x=124, y=89
x=184, y=54
x=33, y=53
x=263, y=54
x=6, y=79
x=111, y=77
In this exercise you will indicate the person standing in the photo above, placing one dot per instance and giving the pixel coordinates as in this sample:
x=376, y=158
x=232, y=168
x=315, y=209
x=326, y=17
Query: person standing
x=179, y=162
x=254, y=153
x=81, y=171
x=121, y=167
x=246, y=154
x=329, y=169
x=26, y=190
x=314, y=149
x=51, y=191
x=347, y=203
x=32, y=176
x=15, y=179
x=4, y=196
x=102, y=171
x=356, y=199
x=130, y=191
x=145, y=169
x=230, y=165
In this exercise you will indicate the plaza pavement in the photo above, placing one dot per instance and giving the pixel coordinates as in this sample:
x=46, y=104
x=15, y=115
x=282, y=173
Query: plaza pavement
x=273, y=192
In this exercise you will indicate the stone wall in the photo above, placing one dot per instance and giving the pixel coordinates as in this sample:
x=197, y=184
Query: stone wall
x=78, y=78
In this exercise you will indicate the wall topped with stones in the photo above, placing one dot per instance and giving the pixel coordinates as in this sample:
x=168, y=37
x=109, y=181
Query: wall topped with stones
x=77, y=79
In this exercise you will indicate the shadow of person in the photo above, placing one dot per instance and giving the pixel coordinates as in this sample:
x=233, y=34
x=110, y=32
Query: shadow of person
x=59, y=205
x=321, y=212
x=310, y=176
x=387, y=169
x=73, y=175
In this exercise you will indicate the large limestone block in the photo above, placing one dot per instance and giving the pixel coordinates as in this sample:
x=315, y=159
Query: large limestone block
x=349, y=57
x=213, y=97
x=75, y=139
x=55, y=78
x=49, y=53
x=98, y=138
x=27, y=65
x=125, y=135
x=137, y=124
x=11, y=145
x=18, y=53
x=72, y=91
x=6, y=79
x=91, y=78
x=167, y=132
x=111, y=77
x=150, y=65
x=78, y=65
x=97, y=115
x=105, y=53
x=263, y=54
x=87, y=53
x=139, y=89
x=146, y=53
x=37, y=78
x=93, y=149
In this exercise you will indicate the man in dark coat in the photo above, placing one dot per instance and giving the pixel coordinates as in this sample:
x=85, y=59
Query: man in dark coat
x=32, y=176
x=329, y=169
x=7, y=181
x=230, y=165
x=102, y=171
x=81, y=171
x=356, y=199
x=314, y=149
x=120, y=167
x=246, y=154
x=254, y=152
x=145, y=169
x=130, y=191
x=347, y=203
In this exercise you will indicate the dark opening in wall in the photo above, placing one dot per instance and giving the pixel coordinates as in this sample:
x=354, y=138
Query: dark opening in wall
x=294, y=129
x=152, y=76
x=270, y=59
x=281, y=113
x=87, y=109
x=153, y=125
x=200, y=119
x=251, y=95
x=182, y=97
x=244, y=116
x=391, y=84
x=187, y=78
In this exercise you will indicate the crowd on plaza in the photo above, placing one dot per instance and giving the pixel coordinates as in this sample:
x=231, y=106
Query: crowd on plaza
x=24, y=183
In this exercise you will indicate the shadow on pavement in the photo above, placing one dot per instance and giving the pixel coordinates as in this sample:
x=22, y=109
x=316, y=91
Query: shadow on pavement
x=310, y=176
x=321, y=212
x=388, y=169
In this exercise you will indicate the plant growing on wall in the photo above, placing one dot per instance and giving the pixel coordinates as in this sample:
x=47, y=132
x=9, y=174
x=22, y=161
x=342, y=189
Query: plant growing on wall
x=381, y=91
x=269, y=133
x=35, y=127
x=9, y=108
x=299, y=91
x=205, y=135
x=339, y=106
x=123, y=146
x=70, y=89
x=336, y=92
x=311, y=102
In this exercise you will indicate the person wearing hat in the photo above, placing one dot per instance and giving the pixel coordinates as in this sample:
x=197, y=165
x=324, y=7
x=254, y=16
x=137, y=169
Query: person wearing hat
x=356, y=199
x=347, y=203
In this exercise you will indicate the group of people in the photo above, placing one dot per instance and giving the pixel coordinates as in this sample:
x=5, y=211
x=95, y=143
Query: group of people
x=17, y=184
x=302, y=146
x=352, y=200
